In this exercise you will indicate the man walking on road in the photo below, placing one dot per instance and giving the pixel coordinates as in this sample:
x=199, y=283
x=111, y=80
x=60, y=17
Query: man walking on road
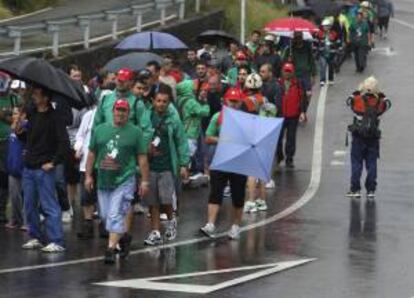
x=368, y=104
x=360, y=41
x=117, y=148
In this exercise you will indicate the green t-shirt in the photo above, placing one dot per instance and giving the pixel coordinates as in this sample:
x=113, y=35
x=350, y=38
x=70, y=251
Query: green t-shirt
x=359, y=33
x=161, y=162
x=6, y=108
x=116, y=150
x=213, y=129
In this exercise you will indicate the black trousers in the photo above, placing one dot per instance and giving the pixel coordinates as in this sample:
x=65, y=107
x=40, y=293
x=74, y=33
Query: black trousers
x=360, y=55
x=288, y=137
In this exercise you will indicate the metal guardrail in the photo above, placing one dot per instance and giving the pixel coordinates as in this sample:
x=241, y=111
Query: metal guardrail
x=54, y=28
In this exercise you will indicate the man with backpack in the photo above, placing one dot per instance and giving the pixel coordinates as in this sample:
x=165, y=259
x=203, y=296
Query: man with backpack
x=368, y=104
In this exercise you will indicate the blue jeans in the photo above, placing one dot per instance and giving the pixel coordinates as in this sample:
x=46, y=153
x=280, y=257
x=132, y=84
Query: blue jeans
x=364, y=150
x=39, y=191
x=114, y=205
x=325, y=64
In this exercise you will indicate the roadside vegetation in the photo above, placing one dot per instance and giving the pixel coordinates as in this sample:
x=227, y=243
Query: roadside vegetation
x=16, y=7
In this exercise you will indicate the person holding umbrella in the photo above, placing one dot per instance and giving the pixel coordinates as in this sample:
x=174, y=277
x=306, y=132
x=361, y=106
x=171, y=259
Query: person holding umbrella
x=219, y=180
x=46, y=145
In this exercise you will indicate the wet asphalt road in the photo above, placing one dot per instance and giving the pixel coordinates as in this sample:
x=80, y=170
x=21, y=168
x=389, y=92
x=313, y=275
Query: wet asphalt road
x=361, y=249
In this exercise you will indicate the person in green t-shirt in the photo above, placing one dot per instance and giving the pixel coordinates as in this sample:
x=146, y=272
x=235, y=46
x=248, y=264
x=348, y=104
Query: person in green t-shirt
x=360, y=41
x=219, y=180
x=116, y=149
x=169, y=157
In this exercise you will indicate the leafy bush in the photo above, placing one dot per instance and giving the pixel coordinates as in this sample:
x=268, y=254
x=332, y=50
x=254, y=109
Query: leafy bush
x=27, y=5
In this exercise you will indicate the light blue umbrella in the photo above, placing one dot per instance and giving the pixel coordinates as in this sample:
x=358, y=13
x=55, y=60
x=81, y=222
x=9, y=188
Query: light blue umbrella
x=247, y=144
x=151, y=40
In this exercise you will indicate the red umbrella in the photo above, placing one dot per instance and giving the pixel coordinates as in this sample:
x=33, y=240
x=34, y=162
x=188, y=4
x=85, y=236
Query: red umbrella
x=285, y=25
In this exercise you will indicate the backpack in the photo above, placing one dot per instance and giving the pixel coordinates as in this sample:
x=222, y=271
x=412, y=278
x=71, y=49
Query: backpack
x=368, y=125
x=14, y=161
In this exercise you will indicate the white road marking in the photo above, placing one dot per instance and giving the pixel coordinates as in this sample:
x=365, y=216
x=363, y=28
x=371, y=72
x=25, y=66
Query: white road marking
x=387, y=51
x=153, y=283
x=310, y=192
x=336, y=163
x=411, y=26
x=339, y=153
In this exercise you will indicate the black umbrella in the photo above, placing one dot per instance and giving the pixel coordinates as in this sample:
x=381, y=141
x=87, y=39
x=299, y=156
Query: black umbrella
x=134, y=61
x=325, y=8
x=40, y=72
x=214, y=36
x=301, y=11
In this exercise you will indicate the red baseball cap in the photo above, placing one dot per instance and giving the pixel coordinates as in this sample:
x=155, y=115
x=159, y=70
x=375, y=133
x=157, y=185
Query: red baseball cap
x=241, y=55
x=121, y=104
x=125, y=74
x=233, y=94
x=288, y=67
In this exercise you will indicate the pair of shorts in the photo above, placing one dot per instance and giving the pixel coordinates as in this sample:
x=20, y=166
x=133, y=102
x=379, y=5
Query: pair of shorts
x=161, y=189
x=71, y=168
x=219, y=180
x=115, y=204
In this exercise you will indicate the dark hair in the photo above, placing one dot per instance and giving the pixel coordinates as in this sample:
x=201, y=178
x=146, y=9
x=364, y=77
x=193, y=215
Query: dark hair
x=246, y=68
x=165, y=89
x=155, y=64
x=74, y=67
x=192, y=50
x=139, y=80
x=101, y=76
x=257, y=32
x=268, y=66
x=201, y=62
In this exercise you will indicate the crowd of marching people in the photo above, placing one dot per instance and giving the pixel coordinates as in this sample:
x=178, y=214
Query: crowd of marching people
x=151, y=133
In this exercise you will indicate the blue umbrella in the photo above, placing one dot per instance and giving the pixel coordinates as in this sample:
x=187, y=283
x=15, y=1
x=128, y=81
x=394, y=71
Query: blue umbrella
x=151, y=40
x=247, y=144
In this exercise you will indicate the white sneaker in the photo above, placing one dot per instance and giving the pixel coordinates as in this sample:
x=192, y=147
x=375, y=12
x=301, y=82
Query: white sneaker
x=66, y=217
x=261, y=205
x=208, y=229
x=196, y=176
x=32, y=244
x=234, y=232
x=250, y=207
x=53, y=248
x=227, y=192
x=139, y=209
x=163, y=217
x=270, y=184
x=171, y=230
x=153, y=239
x=322, y=83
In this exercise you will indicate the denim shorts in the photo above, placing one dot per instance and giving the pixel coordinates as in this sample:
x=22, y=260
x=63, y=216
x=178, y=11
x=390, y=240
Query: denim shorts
x=114, y=205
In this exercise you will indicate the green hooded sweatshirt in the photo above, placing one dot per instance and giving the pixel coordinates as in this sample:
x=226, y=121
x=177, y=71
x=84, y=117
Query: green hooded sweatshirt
x=190, y=109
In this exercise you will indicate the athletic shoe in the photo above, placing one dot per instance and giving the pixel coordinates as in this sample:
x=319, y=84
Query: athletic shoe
x=290, y=164
x=271, y=184
x=153, y=239
x=354, y=194
x=227, y=192
x=322, y=83
x=208, y=229
x=32, y=244
x=110, y=256
x=371, y=195
x=234, y=232
x=261, y=205
x=196, y=176
x=163, y=217
x=24, y=228
x=250, y=207
x=125, y=245
x=139, y=209
x=171, y=230
x=53, y=248
x=11, y=225
x=66, y=217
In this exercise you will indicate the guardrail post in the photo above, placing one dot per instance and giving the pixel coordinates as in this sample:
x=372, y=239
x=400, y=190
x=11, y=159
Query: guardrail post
x=17, y=35
x=54, y=29
x=197, y=6
x=139, y=21
x=181, y=9
x=85, y=24
x=114, y=18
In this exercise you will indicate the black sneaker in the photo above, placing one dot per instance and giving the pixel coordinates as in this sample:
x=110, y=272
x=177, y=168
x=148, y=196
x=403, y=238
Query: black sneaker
x=125, y=245
x=354, y=194
x=86, y=231
x=110, y=256
x=290, y=164
x=103, y=233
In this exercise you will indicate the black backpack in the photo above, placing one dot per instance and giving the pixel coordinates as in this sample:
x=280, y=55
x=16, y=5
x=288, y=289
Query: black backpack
x=368, y=126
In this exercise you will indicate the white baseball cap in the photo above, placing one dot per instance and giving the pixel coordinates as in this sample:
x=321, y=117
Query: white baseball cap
x=17, y=84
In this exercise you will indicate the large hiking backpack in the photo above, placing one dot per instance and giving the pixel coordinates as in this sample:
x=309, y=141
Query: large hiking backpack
x=367, y=124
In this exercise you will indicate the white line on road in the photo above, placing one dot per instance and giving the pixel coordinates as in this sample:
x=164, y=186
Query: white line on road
x=339, y=153
x=337, y=163
x=310, y=192
x=411, y=26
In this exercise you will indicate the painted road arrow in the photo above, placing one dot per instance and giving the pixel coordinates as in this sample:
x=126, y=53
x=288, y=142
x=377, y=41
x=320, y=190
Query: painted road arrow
x=155, y=283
